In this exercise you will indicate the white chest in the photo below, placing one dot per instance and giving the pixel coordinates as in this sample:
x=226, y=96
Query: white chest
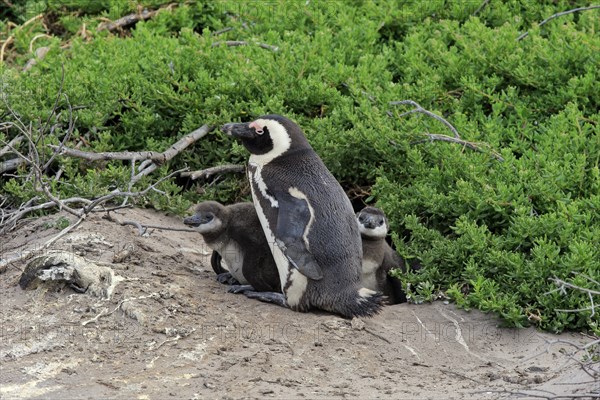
x=298, y=282
x=369, y=274
x=234, y=257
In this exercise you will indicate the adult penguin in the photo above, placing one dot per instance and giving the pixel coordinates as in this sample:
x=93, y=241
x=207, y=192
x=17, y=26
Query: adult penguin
x=307, y=217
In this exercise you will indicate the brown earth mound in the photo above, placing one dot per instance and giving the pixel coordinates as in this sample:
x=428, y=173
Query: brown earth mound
x=170, y=330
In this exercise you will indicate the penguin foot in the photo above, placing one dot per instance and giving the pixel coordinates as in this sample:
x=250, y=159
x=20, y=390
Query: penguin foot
x=268, y=297
x=240, y=289
x=227, y=279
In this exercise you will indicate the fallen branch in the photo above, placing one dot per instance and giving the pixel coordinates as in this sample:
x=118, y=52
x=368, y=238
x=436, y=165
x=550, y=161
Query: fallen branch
x=132, y=19
x=11, y=165
x=10, y=146
x=218, y=170
x=479, y=147
x=560, y=14
x=28, y=254
x=152, y=159
x=235, y=43
x=11, y=218
x=563, y=285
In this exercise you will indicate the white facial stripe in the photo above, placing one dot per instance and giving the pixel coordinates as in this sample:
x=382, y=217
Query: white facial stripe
x=299, y=195
x=210, y=226
x=279, y=136
x=380, y=231
x=262, y=186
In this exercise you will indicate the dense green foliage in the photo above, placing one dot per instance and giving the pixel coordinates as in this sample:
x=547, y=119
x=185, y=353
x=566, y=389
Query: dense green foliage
x=490, y=234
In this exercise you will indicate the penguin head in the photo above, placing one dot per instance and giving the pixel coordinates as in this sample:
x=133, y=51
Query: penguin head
x=268, y=137
x=207, y=218
x=372, y=222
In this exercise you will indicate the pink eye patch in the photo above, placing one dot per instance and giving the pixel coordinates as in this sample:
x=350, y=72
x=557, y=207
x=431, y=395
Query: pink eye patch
x=256, y=127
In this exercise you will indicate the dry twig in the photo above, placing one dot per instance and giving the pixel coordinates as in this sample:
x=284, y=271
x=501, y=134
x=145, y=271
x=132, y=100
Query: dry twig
x=235, y=43
x=563, y=285
x=560, y=14
x=105, y=311
x=218, y=170
x=143, y=227
x=481, y=7
x=444, y=138
x=132, y=19
x=152, y=159
x=418, y=109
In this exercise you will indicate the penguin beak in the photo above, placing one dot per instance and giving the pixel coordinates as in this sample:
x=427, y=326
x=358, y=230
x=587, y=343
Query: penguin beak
x=194, y=220
x=370, y=222
x=198, y=219
x=239, y=130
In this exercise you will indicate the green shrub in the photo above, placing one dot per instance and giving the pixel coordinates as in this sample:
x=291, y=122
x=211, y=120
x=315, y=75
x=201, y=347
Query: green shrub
x=490, y=234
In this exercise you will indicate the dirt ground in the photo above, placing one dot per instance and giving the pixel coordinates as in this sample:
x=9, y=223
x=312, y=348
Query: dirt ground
x=169, y=330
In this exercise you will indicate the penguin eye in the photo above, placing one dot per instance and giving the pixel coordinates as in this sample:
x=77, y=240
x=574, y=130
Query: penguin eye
x=260, y=131
x=380, y=222
x=361, y=218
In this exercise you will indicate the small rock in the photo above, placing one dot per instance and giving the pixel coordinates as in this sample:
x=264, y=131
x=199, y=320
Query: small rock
x=357, y=324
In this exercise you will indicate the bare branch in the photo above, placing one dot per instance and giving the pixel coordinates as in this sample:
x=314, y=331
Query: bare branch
x=133, y=19
x=222, y=31
x=109, y=155
x=142, y=228
x=481, y=7
x=560, y=14
x=236, y=43
x=117, y=193
x=419, y=109
x=153, y=156
x=218, y=170
x=562, y=285
x=479, y=147
x=11, y=165
x=8, y=149
x=471, y=145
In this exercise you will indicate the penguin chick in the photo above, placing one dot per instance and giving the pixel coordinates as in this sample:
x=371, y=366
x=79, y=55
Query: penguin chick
x=378, y=257
x=235, y=234
x=306, y=214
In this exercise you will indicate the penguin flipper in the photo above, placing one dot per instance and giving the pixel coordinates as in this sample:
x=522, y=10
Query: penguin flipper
x=261, y=272
x=215, y=262
x=393, y=286
x=268, y=297
x=293, y=222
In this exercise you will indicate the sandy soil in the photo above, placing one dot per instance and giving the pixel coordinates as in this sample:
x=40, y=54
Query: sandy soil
x=169, y=330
